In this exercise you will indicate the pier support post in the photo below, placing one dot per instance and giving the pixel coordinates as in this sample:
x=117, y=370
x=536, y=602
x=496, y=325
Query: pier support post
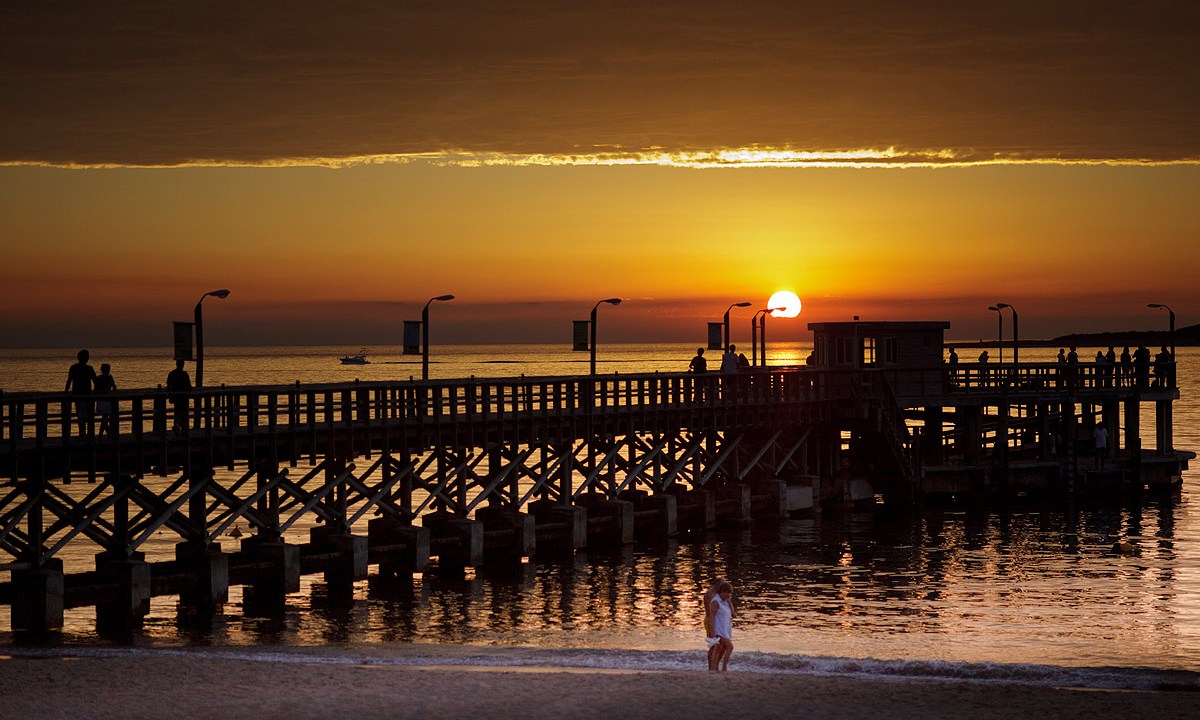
x=459, y=541
x=210, y=568
x=508, y=534
x=737, y=502
x=131, y=602
x=351, y=564
x=405, y=546
x=267, y=592
x=38, y=598
x=696, y=509
x=1164, y=431
x=570, y=519
x=654, y=515
x=773, y=496
x=610, y=522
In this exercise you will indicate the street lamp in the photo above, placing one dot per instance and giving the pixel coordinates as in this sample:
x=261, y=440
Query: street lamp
x=999, y=330
x=199, y=318
x=425, y=334
x=610, y=301
x=1016, y=336
x=759, y=327
x=1171, y=316
x=741, y=304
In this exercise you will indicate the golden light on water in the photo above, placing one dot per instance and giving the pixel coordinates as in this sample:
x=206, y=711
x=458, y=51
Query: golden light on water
x=787, y=302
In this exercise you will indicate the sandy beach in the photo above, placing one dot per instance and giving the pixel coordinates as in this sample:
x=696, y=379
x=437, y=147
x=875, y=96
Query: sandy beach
x=214, y=685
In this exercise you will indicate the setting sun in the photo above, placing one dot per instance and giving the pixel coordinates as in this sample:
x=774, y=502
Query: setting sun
x=784, y=304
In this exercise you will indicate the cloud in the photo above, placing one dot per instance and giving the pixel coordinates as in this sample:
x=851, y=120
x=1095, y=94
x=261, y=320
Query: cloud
x=305, y=82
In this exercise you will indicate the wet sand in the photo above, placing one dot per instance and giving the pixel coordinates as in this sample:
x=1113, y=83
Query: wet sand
x=214, y=685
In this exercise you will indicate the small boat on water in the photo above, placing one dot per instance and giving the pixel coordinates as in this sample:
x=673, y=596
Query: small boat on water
x=358, y=358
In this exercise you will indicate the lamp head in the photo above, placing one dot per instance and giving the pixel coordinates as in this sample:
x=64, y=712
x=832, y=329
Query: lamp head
x=993, y=307
x=1155, y=305
x=612, y=301
x=222, y=293
x=743, y=304
x=444, y=297
x=1003, y=305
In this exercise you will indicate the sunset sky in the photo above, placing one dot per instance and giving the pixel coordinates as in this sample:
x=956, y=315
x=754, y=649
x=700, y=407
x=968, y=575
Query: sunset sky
x=335, y=165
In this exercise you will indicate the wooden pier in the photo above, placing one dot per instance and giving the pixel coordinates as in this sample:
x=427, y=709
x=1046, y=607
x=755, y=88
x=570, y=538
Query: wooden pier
x=409, y=476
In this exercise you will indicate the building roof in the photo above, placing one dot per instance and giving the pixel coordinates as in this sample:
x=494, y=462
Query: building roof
x=880, y=325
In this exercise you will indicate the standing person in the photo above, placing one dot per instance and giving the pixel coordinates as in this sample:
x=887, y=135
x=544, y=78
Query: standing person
x=729, y=369
x=698, y=366
x=710, y=636
x=953, y=356
x=1110, y=367
x=1100, y=441
x=1073, y=368
x=722, y=612
x=1126, y=368
x=106, y=385
x=1161, y=361
x=179, y=385
x=81, y=379
x=1141, y=366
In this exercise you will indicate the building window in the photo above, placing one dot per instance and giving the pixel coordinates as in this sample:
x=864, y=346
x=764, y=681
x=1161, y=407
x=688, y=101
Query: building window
x=889, y=351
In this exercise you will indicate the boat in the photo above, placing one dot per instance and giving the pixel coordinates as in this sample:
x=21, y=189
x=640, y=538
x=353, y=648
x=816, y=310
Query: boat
x=358, y=358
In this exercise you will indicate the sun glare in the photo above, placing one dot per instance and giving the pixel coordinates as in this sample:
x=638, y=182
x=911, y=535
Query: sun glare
x=787, y=302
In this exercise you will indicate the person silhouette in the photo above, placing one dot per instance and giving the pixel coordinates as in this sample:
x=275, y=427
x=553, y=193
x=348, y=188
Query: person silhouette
x=179, y=384
x=81, y=379
x=105, y=385
x=698, y=366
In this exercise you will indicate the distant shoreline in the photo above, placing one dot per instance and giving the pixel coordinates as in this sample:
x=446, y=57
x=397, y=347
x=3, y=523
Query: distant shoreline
x=1184, y=337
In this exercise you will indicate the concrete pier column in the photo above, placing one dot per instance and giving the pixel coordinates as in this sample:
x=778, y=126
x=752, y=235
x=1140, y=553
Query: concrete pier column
x=406, y=546
x=210, y=567
x=654, y=515
x=610, y=522
x=773, y=497
x=508, y=534
x=129, y=607
x=696, y=509
x=1164, y=430
x=37, y=599
x=569, y=523
x=278, y=575
x=459, y=540
x=736, y=502
x=352, y=549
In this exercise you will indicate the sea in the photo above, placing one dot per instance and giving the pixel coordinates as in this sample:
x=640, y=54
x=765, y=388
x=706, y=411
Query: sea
x=1025, y=592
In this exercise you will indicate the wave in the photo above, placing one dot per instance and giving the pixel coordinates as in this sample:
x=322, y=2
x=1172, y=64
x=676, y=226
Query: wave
x=418, y=655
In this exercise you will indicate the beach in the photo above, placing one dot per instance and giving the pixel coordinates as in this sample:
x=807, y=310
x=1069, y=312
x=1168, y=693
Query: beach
x=309, y=685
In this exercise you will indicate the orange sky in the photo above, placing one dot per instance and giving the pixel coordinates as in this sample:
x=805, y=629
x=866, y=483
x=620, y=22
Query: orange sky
x=529, y=163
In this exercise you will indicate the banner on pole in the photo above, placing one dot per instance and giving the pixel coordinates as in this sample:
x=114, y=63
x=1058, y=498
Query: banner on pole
x=716, y=336
x=183, y=340
x=581, y=335
x=412, y=337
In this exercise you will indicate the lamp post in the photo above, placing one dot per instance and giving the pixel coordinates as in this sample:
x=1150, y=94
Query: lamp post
x=741, y=304
x=199, y=318
x=1016, y=335
x=425, y=334
x=592, y=327
x=999, y=330
x=1170, y=315
x=758, y=335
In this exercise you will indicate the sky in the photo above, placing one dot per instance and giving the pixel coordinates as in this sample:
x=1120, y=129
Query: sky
x=335, y=165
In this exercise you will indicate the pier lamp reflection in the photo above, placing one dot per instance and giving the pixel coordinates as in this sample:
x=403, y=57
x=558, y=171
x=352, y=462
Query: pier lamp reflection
x=425, y=333
x=198, y=316
x=592, y=329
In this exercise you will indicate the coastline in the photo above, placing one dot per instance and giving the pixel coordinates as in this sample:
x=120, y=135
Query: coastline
x=313, y=683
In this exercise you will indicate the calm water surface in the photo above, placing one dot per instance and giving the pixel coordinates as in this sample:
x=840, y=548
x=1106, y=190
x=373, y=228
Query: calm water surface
x=1029, y=586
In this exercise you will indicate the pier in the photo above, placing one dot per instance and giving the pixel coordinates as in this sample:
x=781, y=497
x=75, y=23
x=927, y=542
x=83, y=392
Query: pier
x=422, y=476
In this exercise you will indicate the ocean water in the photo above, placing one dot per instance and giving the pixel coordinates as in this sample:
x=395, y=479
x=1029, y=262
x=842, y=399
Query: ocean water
x=1029, y=594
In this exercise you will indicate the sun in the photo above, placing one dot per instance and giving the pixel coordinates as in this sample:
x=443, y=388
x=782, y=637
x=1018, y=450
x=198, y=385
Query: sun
x=787, y=302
